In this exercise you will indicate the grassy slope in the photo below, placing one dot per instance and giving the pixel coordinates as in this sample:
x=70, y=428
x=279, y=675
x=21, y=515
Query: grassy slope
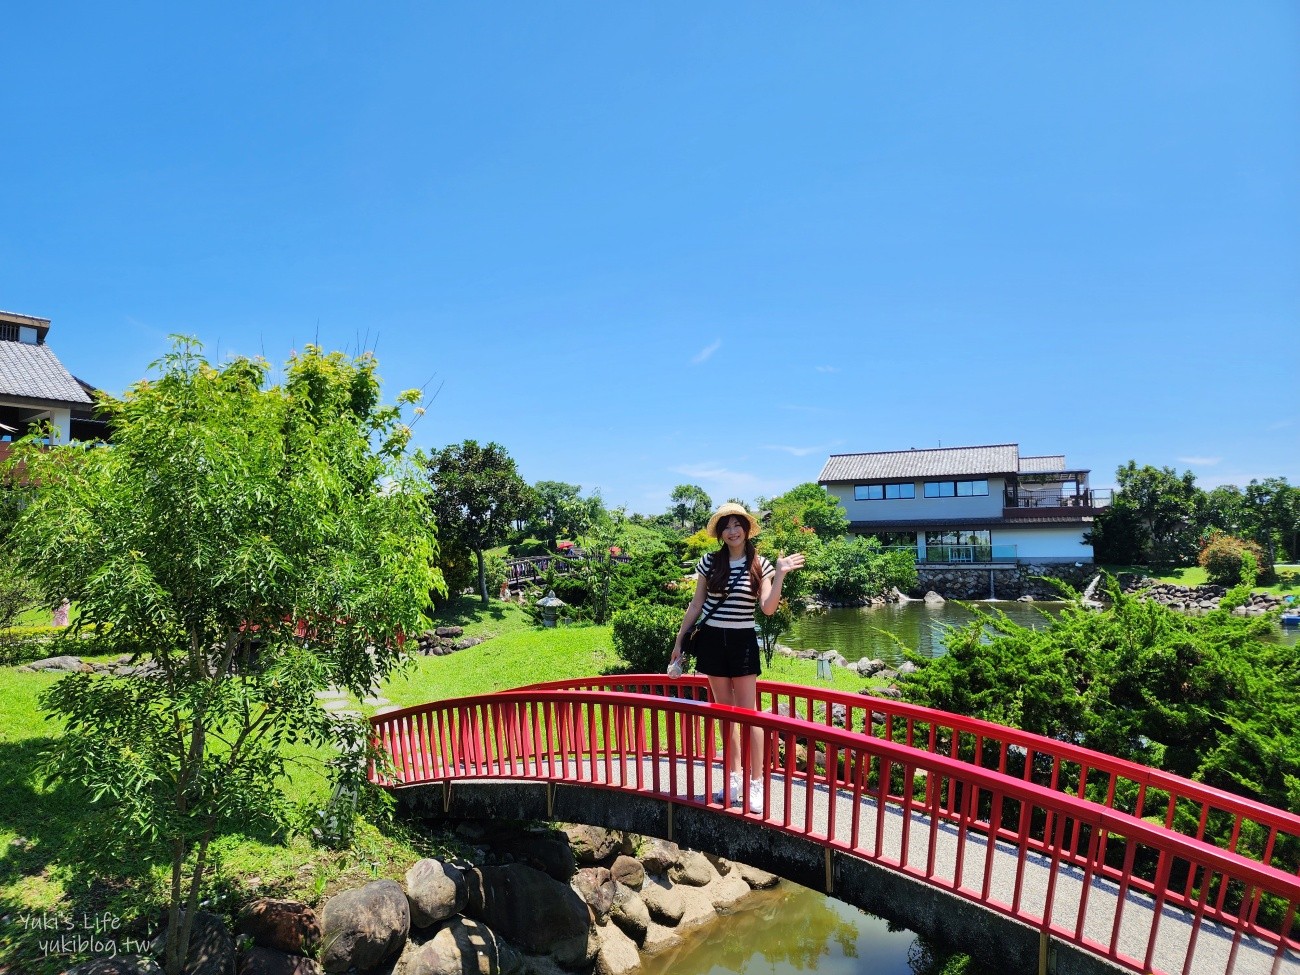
x=39, y=873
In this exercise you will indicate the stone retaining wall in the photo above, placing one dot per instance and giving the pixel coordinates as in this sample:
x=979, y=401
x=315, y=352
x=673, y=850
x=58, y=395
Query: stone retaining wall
x=1000, y=581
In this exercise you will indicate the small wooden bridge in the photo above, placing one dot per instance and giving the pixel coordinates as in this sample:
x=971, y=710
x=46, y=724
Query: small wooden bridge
x=1110, y=862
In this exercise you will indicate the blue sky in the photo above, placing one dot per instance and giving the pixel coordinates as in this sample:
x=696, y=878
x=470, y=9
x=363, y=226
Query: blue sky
x=643, y=245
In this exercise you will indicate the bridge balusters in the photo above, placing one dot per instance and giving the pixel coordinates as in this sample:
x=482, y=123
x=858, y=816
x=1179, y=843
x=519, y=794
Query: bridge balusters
x=1163, y=864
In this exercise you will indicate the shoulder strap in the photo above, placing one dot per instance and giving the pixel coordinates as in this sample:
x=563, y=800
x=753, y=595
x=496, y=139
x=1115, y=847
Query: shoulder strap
x=714, y=608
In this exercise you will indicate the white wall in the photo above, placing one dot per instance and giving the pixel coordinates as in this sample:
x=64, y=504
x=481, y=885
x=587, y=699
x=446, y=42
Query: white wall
x=922, y=507
x=1057, y=541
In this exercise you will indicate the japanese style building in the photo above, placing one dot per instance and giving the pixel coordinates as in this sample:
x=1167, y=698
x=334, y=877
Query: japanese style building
x=36, y=389
x=958, y=505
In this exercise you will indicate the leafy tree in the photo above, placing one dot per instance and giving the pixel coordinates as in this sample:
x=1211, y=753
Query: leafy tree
x=691, y=506
x=1271, y=513
x=562, y=511
x=477, y=492
x=17, y=592
x=810, y=505
x=255, y=543
x=1222, y=509
x=1158, y=506
x=855, y=568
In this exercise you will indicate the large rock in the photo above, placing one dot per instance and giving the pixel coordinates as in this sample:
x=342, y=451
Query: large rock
x=546, y=849
x=628, y=870
x=531, y=909
x=665, y=904
x=720, y=864
x=727, y=891
x=755, y=878
x=462, y=946
x=436, y=891
x=595, y=886
x=593, y=844
x=617, y=954
x=282, y=925
x=268, y=961
x=365, y=927
x=692, y=869
x=630, y=912
x=932, y=598
x=659, y=855
x=212, y=950
x=65, y=663
x=118, y=965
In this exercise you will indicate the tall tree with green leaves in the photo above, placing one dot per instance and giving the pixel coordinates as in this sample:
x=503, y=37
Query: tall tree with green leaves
x=1157, y=506
x=251, y=543
x=691, y=506
x=477, y=492
x=561, y=510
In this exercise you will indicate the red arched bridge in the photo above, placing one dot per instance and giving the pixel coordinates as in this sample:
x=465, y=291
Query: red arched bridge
x=1035, y=845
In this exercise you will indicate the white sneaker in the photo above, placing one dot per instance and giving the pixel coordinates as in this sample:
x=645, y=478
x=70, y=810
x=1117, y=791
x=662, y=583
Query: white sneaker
x=734, y=790
x=756, y=797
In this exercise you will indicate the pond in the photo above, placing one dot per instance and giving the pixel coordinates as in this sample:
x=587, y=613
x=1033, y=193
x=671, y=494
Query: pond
x=791, y=929
x=882, y=631
x=878, y=631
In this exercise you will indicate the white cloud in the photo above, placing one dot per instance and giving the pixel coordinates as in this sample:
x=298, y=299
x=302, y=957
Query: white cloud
x=704, y=353
x=1200, y=461
x=828, y=368
x=802, y=451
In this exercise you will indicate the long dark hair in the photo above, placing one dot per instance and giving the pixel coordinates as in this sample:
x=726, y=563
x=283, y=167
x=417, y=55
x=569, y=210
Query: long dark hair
x=721, y=567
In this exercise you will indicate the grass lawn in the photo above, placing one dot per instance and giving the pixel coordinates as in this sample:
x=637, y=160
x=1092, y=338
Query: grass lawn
x=39, y=867
x=1287, y=584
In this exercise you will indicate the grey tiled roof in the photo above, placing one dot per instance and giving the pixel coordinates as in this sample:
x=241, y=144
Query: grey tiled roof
x=938, y=462
x=35, y=372
x=1049, y=464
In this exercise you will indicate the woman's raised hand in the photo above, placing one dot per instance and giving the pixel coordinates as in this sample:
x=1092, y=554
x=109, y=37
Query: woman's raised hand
x=788, y=563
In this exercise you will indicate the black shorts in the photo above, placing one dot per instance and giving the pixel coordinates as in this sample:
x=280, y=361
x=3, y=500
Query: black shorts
x=724, y=652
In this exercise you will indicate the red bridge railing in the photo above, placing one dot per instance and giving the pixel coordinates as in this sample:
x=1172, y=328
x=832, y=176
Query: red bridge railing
x=1076, y=810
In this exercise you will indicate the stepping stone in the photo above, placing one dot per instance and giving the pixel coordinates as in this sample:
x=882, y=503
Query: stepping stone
x=376, y=701
x=336, y=706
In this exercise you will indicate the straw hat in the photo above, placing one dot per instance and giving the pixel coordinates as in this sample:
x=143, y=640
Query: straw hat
x=731, y=508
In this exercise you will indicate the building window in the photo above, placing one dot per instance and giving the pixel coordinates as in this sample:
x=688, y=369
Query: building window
x=884, y=492
x=959, y=536
x=956, y=489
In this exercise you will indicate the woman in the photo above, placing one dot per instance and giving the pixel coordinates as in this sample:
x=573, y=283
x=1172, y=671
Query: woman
x=730, y=584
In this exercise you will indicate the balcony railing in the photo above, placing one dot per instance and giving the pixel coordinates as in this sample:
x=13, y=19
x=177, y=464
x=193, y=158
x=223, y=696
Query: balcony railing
x=959, y=554
x=1089, y=499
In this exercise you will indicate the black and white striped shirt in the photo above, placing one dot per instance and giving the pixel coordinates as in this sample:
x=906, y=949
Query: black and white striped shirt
x=737, y=612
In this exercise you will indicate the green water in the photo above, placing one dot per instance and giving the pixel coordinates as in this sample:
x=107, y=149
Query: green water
x=878, y=631
x=788, y=930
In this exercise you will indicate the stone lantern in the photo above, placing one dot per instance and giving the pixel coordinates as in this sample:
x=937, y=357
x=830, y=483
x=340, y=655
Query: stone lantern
x=550, y=604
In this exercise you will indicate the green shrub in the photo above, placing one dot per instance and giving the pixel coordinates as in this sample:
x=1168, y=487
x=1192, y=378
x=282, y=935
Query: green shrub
x=23, y=644
x=643, y=636
x=1223, y=557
